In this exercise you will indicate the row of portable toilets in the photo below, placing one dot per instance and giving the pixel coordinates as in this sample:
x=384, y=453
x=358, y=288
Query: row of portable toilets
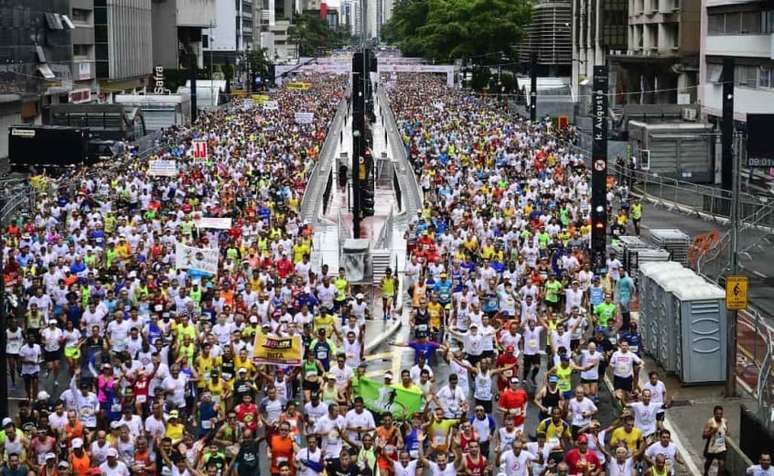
x=683, y=322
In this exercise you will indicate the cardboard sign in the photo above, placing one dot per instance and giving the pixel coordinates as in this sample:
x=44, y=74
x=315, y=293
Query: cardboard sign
x=162, y=168
x=212, y=222
x=304, y=117
x=278, y=350
x=200, y=149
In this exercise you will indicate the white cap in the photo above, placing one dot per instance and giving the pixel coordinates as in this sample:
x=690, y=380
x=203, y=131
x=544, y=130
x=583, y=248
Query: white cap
x=50, y=456
x=52, y=321
x=359, y=296
x=253, y=319
x=7, y=421
x=77, y=443
x=112, y=452
x=43, y=395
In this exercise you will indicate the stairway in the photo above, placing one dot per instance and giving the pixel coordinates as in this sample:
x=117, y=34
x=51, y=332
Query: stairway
x=380, y=261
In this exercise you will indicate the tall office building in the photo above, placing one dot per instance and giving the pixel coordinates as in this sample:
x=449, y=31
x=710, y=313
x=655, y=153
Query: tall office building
x=548, y=35
x=178, y=26
x=232, y=34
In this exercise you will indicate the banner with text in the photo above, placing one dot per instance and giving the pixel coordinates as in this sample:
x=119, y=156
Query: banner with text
x=278, y=350
x=304, y=117
x=162, y=168
x=213, y=222
x=204, y=260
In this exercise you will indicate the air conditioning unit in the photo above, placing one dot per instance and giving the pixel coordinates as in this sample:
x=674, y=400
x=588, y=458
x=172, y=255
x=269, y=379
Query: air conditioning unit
x=689, y=114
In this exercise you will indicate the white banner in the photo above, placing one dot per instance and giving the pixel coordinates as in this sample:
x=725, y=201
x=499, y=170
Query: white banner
x=197, y=259
x=304, y=117
x=271, y=105
x=213, y=222
x=162, y=168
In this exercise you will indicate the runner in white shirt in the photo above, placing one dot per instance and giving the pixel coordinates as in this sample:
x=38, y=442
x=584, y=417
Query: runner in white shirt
x=451, y=397
x=359, y=421
x=405, y=466
x=645, y=414
x=31, y=356
x=582, y=410
x=516, y=461
x=621, y=464
x=328, y=428
x=590, y=377
x=623, y=363
x=764, y=467
x=665, y=447
x=658, y=396
x=311, y=454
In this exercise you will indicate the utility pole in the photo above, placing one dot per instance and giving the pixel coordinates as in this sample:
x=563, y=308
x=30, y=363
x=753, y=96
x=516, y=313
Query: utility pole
x=533, y=87
x=599, y=169
x=730, y=168
x=194, y=109
x=3, y=325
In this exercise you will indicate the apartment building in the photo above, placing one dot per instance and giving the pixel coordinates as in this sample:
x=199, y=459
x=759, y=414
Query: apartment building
x=231, y=35
x=548, y=35
x=743, y=30
x=178, y=27
x=661, y=61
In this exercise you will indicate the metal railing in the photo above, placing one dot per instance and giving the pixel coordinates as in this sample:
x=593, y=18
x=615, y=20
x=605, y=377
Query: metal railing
x=310, y=202
x=410, y=193
x=384, y=240
x=755, y=339
x=345, y=232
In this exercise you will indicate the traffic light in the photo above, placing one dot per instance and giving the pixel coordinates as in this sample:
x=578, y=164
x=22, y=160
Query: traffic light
x=367, y=200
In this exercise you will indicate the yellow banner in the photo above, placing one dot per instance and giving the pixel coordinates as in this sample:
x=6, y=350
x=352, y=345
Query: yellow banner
x=300, y=85
x=278, y=350
x=260, y=98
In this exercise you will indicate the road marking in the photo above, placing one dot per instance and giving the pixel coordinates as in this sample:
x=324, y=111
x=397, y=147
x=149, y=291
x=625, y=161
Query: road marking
x=380, y=355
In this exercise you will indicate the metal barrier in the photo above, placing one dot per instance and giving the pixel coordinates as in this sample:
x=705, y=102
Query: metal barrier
x=410, y=193
x=384, y=240
x=345, y=232
x=327, y=192
x=311, y=199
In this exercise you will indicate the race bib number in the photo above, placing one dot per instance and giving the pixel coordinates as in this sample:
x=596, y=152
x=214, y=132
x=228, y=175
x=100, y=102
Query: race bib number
x=207, y=424
x=115, y=408
x=322, y=355
x=142, y=398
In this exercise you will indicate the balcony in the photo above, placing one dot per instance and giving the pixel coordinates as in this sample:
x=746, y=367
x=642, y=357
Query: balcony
x=195, y=13
x=83, y=69
x=747, y=46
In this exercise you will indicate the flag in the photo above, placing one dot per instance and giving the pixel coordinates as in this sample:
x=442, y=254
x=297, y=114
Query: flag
x=380, y=398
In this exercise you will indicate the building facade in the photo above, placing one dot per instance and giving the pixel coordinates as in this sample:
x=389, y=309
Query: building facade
x=599, y=28
x=548, y=36
x=36, y=60
x=661, y=62
x=744, y=31
x=232, y=33
x=178, y=28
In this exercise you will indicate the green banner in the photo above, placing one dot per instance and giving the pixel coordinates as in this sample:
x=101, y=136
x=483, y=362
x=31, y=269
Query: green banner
x=380, y=398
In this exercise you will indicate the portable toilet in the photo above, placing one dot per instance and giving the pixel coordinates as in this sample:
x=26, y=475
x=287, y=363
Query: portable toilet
x=703, y=336
x=647, y=317
x=666, y=319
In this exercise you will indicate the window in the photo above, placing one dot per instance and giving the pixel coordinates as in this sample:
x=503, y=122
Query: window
x=716, y=24
x=714, y=72
x=81, y=51
x=81, y=15
x=733, y=23
x=54, y=21
x=751, y=22
x=745, y=75
x=205, y=41
x=768, y=21
x=766, y=77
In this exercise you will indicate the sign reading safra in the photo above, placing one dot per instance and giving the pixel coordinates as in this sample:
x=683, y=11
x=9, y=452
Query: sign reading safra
x=736, y=293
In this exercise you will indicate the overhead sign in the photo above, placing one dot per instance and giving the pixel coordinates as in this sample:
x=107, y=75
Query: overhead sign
x=271, y=105
x=162, y=168
x=213, y=222
x=204, y=260
x=286, y=351
x=200, y=149
x=304, y=117
x=299, y=85
x=736, y=293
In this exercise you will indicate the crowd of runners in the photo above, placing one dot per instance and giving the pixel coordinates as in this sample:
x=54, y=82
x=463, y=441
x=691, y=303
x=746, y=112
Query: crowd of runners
x=131, y=365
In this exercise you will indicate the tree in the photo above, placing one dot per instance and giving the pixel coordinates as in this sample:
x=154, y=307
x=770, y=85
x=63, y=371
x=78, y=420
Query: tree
x=312, y=34
x=258, y=62
x=444, y=30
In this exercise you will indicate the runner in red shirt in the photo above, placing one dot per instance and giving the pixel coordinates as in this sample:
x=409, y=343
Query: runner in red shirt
x=513, y=401
x=580, y=459
x=475, y=462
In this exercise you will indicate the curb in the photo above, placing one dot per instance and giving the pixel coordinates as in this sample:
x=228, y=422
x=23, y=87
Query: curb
x=690, y=464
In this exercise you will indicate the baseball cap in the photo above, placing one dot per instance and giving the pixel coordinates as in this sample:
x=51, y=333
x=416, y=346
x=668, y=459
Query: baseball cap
x=553, y=379
x=514, y=380
x=64, y=465
x=77, y=443
x=582, y=439
x=253, y=319
x=359, y=296
x=174, y=414
x=50, y=456
x=7, y=421
x=111, y=452
x=242, y=370
x=43, y=395
x=388, y=375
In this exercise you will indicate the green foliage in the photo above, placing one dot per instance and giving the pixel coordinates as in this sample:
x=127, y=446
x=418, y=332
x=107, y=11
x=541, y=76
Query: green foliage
x=449, y=29
x=313, y=35
x=258, y=62
x=480, y=80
